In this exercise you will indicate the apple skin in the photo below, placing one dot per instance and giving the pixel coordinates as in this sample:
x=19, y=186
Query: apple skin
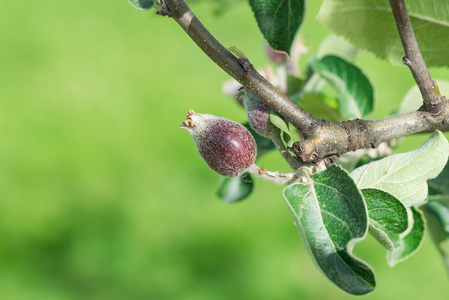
x=258, y=115
x=226, y=146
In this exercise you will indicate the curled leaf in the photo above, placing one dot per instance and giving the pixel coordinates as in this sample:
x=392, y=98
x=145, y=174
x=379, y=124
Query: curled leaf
x=331, y=216
x=409, y=244
x=388, y=217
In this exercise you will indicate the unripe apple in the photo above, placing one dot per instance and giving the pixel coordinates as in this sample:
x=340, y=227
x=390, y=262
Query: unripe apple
x=258, y=115
x=227, y=147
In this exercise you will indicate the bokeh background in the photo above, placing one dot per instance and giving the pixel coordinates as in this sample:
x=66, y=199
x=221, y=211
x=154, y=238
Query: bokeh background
x=102, y=197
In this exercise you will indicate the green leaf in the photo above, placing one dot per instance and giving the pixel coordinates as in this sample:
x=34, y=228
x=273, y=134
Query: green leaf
x=141, y=4
x=410, y=244
x=440, y=184
x=370, y=25
x=356, y=96
x=279, y=20
x=439, y=206
x=233, y=189
x=437, y=216
x=315, y=103
x=278, y=121
x=336, y=45
x=413, y=100
x=331, y=216
x=387, y=217
x=404, y=175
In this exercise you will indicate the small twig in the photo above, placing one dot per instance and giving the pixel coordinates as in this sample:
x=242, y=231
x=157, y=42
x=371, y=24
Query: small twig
x=292, y=162
x=433, y=102
x=274, y=177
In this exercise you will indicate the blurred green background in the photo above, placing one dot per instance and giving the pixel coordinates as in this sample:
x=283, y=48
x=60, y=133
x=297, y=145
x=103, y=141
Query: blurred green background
x=102, y=197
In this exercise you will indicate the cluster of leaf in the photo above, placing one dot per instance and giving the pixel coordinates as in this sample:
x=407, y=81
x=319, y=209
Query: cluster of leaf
x=352, y=97
x=390, y=198
x=334, y=209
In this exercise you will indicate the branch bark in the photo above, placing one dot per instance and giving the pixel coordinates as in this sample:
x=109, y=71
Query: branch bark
x=241, y=69
x=335, y=139
x=325, y=141
x=433, y=102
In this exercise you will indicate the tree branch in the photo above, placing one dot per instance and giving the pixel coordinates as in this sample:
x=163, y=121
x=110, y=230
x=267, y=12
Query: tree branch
x=335, y=139
x=241, y=70
x=433, y=102
x=325, y=141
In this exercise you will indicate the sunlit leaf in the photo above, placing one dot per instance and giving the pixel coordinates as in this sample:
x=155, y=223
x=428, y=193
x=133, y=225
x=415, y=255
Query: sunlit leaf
x=404, y=175
x=370, y=25
x=331, y=216
x=336, y=45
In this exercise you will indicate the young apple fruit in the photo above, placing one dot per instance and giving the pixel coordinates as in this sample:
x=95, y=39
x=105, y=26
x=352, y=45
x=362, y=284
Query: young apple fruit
x=227, y=147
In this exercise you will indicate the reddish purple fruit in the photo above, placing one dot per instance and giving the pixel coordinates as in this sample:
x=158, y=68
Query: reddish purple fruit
x=258, y=115
x=226, y=146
